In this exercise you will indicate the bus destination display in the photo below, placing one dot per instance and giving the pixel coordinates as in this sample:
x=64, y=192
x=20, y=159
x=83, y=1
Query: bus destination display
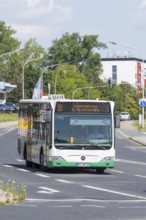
x=86, y=107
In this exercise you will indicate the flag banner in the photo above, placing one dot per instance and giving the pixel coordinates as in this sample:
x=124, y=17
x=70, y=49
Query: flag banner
x=38, y=90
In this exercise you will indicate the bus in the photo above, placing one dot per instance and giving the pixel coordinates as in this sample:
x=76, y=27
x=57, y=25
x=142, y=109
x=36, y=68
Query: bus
x=55, y=132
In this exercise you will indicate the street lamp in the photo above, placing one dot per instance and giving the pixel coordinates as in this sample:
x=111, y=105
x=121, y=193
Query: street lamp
x=90, y=87
x=11, y=52
x=58, y=72
x=47, y=68
x=56, y=79
x=142, y=73
x=29, y=60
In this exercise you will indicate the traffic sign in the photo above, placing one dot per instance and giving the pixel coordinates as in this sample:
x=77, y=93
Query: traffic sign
x=142, y=102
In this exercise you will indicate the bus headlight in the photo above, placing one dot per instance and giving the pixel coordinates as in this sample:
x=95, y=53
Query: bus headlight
x=51, y=158
x=108, y=159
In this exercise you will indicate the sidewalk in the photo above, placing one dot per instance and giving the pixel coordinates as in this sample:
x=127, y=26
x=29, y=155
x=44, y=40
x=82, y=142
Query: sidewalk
x=8, y=124
x=133, y=133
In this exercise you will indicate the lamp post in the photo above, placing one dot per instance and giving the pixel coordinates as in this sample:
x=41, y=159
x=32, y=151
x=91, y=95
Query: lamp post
x=57, y=74
x=11, y=52
x=29, y=60
x=56, y=79
x=47, y=68
x=142, y=73
x=90, y=87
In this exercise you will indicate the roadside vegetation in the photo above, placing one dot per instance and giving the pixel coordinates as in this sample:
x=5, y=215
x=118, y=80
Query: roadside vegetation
x=69, y=63
x=4, y=117
x=10, y=192
x=139, y=127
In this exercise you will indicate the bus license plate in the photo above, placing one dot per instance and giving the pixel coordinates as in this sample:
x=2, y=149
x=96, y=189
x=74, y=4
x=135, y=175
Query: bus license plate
x=82, y=165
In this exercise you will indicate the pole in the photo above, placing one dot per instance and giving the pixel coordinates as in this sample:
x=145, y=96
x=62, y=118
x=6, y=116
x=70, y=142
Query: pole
x=11, y=52
x=58, y=72
x=23, y=95
x=90, y=87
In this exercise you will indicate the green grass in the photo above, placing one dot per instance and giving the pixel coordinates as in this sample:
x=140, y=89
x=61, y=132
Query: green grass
x=4, y=117
x=139, y=127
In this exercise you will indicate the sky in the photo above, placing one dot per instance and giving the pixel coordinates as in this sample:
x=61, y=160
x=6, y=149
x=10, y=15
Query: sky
x=120, y=21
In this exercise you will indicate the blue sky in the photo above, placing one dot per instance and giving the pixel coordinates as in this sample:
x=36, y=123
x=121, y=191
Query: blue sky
x=121, y=21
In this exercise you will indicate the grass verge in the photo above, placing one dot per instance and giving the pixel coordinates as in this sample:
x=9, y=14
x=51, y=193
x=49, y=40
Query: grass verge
x=4, y=117
x=11, y=193
x=139, y=127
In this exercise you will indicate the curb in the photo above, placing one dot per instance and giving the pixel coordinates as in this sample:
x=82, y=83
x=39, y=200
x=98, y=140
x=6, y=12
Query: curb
x=8, y=124
x=138, y=141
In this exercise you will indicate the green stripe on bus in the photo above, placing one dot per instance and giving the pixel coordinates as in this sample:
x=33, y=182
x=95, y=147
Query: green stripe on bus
x=107, y=164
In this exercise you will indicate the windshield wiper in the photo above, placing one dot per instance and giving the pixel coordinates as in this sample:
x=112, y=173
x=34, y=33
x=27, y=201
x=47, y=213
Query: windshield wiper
x=93, y=145
x=69, y=147
x=57, y=140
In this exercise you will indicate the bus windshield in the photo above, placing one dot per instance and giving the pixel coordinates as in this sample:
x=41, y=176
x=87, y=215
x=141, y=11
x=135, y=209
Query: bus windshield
x=83, y=131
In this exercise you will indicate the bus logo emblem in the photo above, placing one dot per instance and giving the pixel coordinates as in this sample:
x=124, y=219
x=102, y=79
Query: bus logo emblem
x=83, y=157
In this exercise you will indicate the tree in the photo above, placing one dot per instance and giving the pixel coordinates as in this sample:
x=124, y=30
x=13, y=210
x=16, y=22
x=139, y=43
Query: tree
x=26, y=62
x=126, y=99
x=7, y=44
x=79, y=50
x=130, y=100
x=65, y=79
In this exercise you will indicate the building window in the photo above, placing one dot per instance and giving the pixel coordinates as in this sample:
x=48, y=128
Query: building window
x=114, y=74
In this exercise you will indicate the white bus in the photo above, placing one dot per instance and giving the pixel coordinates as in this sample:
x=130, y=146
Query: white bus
x=55, y=132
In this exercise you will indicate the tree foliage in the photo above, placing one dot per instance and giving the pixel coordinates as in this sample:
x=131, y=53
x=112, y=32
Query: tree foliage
x=71, y=65
x=80, y=51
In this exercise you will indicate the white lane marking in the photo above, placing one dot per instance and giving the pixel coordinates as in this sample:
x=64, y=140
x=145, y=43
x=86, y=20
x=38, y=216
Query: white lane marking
x=44, y=192
x=7, y=166
x=60, y=206
x=82, y=200
x=47, y=190
x=42, y=175
x=23, y=170
x=64, y=181
x=122, y=133
x=117, y=171
x=140, y=176
x=112, y=191
x=131, y=207
x=20, y=160
x=25, y=205
x=130, y=161
x=95, y=206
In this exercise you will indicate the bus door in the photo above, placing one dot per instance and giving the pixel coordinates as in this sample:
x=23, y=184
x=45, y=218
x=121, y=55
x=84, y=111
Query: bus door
x=48, y=133
x=29, y=134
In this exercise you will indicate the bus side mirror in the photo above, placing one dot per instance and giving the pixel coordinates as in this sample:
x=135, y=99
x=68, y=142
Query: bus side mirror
x=117, y=121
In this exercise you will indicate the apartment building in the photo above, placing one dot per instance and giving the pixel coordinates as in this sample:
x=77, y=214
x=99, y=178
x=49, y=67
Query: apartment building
x=125, y=69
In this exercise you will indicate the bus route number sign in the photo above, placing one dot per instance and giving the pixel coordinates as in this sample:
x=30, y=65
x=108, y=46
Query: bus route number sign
x=90, y=107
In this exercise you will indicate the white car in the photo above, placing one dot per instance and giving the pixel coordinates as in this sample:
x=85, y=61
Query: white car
x=125, y=116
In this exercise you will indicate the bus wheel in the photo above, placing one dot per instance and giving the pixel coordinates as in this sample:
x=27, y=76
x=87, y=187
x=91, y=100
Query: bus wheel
x=27, y=162
x=100, y=170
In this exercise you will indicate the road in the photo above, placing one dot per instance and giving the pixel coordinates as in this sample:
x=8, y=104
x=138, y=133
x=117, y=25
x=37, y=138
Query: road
x=118, y=194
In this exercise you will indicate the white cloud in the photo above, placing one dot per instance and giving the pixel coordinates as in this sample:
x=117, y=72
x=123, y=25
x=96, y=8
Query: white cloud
x=38, y=19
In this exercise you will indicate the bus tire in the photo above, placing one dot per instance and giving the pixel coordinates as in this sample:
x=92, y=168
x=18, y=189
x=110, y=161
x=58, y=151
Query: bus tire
x=27, y=162
x=100, y=170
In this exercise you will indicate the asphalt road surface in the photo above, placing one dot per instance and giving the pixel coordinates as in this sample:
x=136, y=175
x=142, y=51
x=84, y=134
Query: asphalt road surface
x=117, y=194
